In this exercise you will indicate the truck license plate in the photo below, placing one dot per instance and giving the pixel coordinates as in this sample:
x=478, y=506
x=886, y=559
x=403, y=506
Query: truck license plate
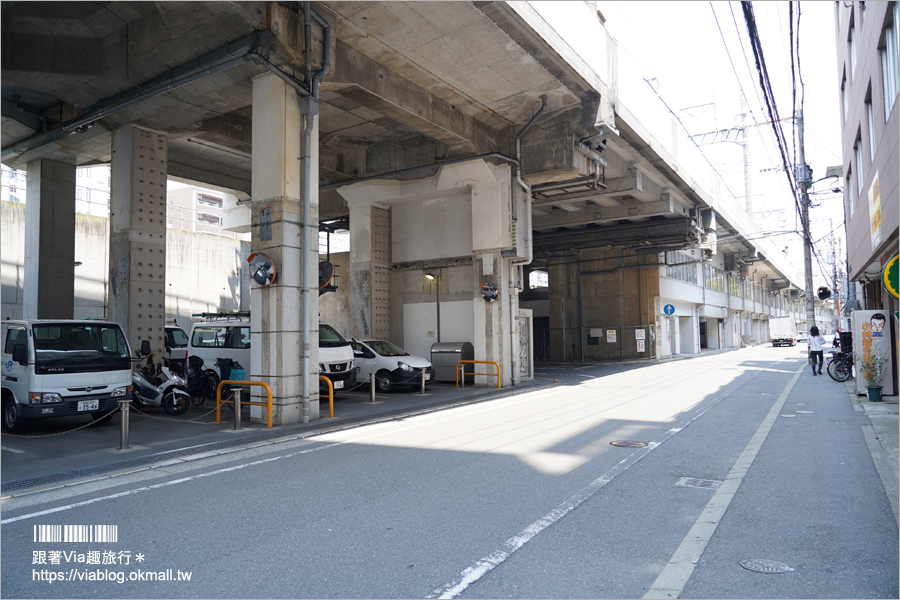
x=86, y=405
x=338, y=385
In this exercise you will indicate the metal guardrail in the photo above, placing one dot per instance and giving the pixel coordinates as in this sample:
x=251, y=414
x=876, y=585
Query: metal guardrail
x=481, y=362
x=237, y=401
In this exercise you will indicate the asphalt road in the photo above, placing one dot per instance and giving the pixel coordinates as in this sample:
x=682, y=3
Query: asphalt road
x=522, y=496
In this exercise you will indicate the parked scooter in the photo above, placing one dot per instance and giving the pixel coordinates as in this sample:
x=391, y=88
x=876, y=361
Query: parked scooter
x=156, y=385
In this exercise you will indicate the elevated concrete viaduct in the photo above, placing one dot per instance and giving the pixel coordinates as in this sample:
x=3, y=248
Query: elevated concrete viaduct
x=465, y=140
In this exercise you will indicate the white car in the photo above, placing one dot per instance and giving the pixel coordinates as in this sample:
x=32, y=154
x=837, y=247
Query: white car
x=392, y=365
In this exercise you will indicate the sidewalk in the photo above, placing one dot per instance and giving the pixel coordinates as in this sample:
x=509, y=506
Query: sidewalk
x=883, y=440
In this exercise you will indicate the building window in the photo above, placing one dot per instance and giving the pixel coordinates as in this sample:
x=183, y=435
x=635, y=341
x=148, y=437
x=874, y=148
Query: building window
x=207, y=200
x=870, y=116
x=208, y=219
x=713, y=278
x=844, y=96
x=860, y=171
x=890, y=62
x=848, y=190
x=678, y=270
x=734, y=285
x=851, y=40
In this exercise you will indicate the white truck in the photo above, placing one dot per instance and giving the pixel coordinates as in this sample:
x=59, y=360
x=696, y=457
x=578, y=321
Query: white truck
x=783, y=331
x=56, y=368
x=227, y=335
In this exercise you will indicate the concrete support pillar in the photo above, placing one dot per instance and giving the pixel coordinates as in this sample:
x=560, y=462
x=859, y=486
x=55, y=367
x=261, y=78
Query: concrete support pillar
x=370, y=270
x=493, y=327
x=137, y=241
x=277, y=206
x=491, y=234
x=49, y=241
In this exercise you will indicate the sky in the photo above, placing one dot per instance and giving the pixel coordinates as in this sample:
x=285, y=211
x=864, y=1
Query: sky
x=697, y=56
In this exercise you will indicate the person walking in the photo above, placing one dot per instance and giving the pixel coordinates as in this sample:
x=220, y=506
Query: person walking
x=816, y=349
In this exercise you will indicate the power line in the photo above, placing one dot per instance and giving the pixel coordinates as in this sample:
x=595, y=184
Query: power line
x=728, y=53
x=771, y=107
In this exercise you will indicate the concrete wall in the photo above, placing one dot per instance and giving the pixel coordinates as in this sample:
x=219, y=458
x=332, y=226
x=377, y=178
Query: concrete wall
x=614, y=296
x=204, y=273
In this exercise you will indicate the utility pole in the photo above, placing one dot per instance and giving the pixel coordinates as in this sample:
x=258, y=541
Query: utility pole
x=834, y=272
x=803, y=175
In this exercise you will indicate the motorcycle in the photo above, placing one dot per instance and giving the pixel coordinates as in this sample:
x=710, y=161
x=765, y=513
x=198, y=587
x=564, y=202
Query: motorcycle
x=156, y=385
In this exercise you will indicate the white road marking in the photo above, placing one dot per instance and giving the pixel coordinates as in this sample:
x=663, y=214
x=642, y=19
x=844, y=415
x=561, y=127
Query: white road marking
x=157, y=486
x=13, y=450
x=478, y=570
x=675, y=575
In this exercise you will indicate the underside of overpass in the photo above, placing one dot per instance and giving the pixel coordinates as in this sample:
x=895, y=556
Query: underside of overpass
x=460, y=138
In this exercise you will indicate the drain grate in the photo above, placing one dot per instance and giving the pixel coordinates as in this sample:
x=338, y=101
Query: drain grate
x=768, y=567
x=709, y=484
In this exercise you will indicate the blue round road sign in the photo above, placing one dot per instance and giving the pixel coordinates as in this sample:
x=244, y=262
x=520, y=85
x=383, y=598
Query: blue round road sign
x=669, y=309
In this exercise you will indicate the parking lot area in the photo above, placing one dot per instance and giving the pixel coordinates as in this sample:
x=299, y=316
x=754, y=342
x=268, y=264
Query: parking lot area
x=55, y=450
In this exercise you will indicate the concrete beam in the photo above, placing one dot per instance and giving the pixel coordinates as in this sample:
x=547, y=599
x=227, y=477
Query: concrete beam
x=364, y=81
x=632, y=184
x=235, y=182
x=628, y=209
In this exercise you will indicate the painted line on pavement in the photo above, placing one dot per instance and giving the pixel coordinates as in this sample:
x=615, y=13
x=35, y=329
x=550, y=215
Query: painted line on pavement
x=675, y=575
x=157, y=486
x=483, y=566
x=13, y=450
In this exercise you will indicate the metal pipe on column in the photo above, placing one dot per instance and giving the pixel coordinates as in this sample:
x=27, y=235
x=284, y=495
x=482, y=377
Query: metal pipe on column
x=309, y=108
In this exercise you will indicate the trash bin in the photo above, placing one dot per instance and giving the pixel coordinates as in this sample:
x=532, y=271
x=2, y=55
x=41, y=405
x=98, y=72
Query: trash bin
x=445, y=355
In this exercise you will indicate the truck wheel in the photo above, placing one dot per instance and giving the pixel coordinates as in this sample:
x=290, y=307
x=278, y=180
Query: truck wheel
x=12, y=421
x=383, y=382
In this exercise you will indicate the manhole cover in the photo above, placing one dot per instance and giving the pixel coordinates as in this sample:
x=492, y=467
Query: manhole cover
x=769, y=567
x=629, y=444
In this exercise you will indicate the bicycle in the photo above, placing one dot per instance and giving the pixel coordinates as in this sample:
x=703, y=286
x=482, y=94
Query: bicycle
x=840, y=365
x=202, y=382
x=230, y=369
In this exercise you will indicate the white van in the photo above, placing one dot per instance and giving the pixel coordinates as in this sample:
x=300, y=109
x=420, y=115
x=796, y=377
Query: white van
x=55, y=368
x=221, y=335
x=227, y=335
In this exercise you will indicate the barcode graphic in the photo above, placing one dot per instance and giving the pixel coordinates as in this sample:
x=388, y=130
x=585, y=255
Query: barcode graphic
x=76, y=533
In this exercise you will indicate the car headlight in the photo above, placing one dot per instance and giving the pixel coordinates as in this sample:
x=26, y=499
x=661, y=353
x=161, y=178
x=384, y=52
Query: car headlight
x=404, y=366
x=45, y=398
x=121, y=392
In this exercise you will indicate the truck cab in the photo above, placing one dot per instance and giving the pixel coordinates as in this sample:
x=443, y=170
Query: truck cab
x=55, y=368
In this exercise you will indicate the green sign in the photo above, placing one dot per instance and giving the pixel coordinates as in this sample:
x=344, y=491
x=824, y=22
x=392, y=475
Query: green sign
x=889, y=276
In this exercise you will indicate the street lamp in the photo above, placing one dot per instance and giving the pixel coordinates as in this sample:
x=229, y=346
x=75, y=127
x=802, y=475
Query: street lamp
x=437, y=295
